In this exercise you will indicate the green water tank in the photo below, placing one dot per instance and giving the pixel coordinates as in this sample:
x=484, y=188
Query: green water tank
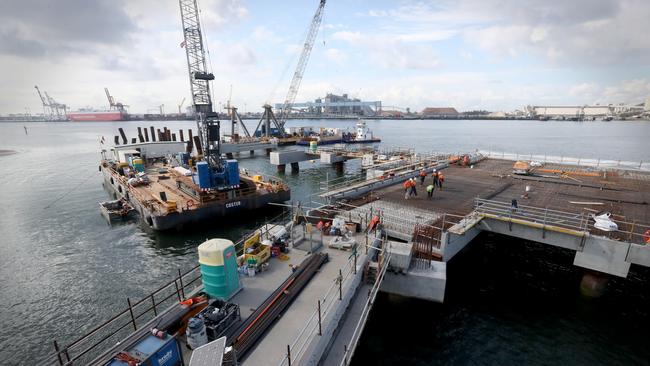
x=218, y=260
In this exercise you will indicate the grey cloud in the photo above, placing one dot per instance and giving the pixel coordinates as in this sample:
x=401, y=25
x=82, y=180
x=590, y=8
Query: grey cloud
x=12, y=43
x=585, y=32
x=535, y=12
x=32, y=28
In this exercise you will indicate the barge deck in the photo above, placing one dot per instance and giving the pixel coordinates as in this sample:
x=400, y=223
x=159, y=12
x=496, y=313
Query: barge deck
x=171, y=200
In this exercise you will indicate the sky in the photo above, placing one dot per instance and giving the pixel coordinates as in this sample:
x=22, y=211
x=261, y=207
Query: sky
x=468, y=54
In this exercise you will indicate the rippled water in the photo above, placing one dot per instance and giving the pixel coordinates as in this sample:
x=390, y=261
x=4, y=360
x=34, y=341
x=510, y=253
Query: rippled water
x=64, y=269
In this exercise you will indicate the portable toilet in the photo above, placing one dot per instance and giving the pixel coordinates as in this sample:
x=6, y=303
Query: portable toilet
x=218, y=260
x=138, y=164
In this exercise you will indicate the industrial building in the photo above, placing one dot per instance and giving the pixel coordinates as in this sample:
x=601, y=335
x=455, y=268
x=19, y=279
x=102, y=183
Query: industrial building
x=333, y=104
x=586, y=112
x=445, y=112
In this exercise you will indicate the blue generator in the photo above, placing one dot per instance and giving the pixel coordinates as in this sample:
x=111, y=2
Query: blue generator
x=153, y=351
x=232, y=173
x=203, y=176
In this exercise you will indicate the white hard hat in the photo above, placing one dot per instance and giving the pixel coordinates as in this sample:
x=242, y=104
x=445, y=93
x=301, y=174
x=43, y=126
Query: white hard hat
x=434, y=170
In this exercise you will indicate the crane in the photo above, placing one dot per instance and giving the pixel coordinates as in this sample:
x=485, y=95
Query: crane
x=220, y=175
x=58, y=111
x=46, y=106
x=297, y=76
x=112, y=103
x=302, y=64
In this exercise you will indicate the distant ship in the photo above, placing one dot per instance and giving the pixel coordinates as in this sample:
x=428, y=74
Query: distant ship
x=117, y=112
x=102, y=116
x=362, y=135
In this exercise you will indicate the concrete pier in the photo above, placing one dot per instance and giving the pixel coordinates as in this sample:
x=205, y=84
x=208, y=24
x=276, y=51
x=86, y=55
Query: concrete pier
x=235, y=147
x=551, y=210
x=555, y=211
x=333, y=156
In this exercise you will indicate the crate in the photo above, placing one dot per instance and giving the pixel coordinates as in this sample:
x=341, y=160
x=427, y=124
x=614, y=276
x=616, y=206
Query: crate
x=261, y=253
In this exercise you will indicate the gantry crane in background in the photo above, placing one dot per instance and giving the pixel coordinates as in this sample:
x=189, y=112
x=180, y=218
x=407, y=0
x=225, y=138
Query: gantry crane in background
x=221, y=174
x=52, y=110
x=267, y=117
x=113, y=104
x=47, y=112
x=60, y=111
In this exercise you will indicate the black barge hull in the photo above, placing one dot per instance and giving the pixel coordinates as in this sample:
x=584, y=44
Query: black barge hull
x=211, y=210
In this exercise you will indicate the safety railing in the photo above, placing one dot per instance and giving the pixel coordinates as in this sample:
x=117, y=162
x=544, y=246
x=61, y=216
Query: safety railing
x=628, y=231
x=90, y=345
x=85, y=348
x=349, y=349
x=565, y=160
x=543, y=216
x=324, y=305
x=579, y=222
x=403, y=172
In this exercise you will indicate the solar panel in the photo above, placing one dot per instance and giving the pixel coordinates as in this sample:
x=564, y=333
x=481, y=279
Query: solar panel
x=210, y=354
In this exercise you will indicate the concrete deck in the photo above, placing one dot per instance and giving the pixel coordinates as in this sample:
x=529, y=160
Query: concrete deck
x=271, y=349
x=623, y=194
x=569, y=194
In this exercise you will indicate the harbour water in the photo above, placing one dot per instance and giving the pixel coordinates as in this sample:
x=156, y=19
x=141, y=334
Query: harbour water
x=64, y=269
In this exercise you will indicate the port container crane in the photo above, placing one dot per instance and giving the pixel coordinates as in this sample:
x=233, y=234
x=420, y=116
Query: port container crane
x=112, y=103
x=222, y=174
x=59, y=111
x=47, y=113
x=297, y=75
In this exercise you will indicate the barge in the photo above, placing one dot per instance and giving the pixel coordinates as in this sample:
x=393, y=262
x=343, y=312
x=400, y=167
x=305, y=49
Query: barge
x=159, y=181
x=115, y=211
x=362, y=135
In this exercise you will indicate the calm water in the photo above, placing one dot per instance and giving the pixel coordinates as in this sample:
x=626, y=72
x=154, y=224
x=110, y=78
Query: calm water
x=64, y=269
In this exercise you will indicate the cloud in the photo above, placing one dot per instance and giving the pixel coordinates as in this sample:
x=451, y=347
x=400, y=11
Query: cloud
x=392, y=51
x=630, y=91
x=31, y=28
x=241, y=56
x=591, y=32
x=336, y=55
x=585, y=90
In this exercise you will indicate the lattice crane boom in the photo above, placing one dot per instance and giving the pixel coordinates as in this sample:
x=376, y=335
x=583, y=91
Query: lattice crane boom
x=207, y=121
x=302, y=64
x=195, y=52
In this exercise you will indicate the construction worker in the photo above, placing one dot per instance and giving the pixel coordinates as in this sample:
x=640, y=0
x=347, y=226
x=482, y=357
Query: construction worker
x=441, y=179
x=430, y=189
x=414, y=192
x=407, y=189
x=423, y=175
x=435, y=177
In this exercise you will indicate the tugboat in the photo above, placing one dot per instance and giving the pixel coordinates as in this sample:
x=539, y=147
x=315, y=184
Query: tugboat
x=363, y=135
